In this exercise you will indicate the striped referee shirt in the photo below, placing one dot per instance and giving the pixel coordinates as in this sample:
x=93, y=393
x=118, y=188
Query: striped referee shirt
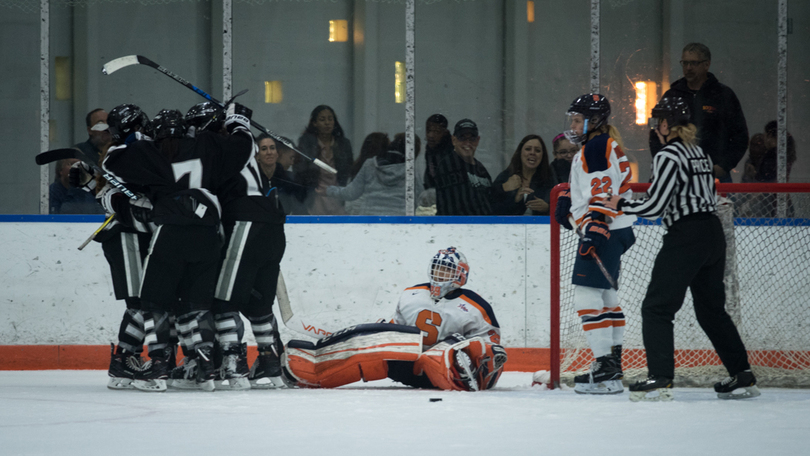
x=682, y=184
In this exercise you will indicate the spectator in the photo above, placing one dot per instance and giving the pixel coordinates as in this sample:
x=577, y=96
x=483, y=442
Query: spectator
x=463, y=185
x=715, y=109
x=438, y=146
x=524, y=187
x=374, y=145
x=756, y=151
x=323, y=139
x=381, y=182
x=275, y=160
x=564, y=153
x=766, y=172
x=64, y=199
x=761, y=167
x=99, y=135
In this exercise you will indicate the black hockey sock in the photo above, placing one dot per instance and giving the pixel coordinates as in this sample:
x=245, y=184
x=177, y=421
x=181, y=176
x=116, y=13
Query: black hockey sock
x=197, y=329
x=230, y=329
x=157, y=331
x=131, y=333
x=265, y=330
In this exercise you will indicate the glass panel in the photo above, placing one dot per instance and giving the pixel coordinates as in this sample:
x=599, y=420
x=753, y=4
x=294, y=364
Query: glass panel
x=798, y=81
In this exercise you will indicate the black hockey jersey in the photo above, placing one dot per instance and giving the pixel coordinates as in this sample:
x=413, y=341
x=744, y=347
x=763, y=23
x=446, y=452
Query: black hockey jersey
x=182, y=189
x=250, y=196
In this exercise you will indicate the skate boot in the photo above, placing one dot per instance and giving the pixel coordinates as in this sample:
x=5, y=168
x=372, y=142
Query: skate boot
x=153, y=379
x=616, y=351
x=604, y=377
x=466, y=373
x=124, y=366
x=184, y=376
x=645, y=390
x=744, y=381
x=206, y=370
x=233, y=371
x=266, y=370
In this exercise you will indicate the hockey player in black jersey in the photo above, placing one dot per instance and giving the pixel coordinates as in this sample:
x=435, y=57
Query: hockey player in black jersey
x=181, y=175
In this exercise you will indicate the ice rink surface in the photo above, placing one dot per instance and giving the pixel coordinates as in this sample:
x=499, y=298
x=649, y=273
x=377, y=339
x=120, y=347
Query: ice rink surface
x=73, y=413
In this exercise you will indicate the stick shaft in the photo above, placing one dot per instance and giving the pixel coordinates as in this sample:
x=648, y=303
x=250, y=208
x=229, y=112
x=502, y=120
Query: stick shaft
x=594, y=255
x=95, y=233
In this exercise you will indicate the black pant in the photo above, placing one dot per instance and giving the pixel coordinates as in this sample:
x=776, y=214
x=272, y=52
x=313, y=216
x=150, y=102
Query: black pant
x=693, y=256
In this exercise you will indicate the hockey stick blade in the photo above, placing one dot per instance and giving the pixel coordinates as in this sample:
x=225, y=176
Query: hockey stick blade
x=51, y=156
x=596, y=258
x=324, y=166
x=121, y=62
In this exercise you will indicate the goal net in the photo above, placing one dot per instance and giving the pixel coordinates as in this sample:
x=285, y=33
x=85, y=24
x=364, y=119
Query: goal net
x=767, y=283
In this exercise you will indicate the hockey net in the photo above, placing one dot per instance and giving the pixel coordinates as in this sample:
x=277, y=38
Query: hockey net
x=767, y=283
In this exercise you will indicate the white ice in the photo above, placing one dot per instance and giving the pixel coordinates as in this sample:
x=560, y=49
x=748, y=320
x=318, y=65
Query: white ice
x=73, y=413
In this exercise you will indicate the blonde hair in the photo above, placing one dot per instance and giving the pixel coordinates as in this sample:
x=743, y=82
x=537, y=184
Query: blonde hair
x=611, y=131
x=687, y=133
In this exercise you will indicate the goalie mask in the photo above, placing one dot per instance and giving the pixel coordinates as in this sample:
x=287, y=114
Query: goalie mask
x=124, y=120
x=587, y=114
x=448, y=271
x=675, y=110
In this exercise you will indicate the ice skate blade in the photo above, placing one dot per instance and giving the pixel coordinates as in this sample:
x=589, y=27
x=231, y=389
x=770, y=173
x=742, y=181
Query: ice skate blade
x=118, y=383
x=747, y=393
x=606, y=387
x=184, y=384
x=664, y=395
x=267, y=383
x=233, y=384
x=207, y=385
x=152, y=386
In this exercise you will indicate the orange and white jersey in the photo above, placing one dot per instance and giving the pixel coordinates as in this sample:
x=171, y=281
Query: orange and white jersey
x=460, y=311
x=599, y=166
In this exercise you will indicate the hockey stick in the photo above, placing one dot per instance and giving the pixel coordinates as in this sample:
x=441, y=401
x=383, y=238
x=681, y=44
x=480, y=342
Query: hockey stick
x=51, y=156
x=60, y=154
x=594, y=255
x=116, y=64
x=291, y=321
x=95, y=233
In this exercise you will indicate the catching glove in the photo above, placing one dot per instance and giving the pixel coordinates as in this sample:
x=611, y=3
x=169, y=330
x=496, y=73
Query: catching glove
x=595, y=235
x=563, y=209
x=81, y=176
x=238, y=116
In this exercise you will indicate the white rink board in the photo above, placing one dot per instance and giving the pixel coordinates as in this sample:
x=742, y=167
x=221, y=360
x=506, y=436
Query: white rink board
x=336, y=274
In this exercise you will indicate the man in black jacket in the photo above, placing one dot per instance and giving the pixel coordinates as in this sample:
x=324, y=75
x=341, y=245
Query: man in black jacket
x=716, y=111
x=463, y=185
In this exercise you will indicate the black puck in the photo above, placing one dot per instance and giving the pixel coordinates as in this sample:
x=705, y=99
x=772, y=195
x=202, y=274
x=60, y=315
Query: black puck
x=435, y=399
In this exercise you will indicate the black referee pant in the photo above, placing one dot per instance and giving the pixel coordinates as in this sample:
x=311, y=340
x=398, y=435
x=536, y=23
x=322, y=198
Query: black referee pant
x=693, y=256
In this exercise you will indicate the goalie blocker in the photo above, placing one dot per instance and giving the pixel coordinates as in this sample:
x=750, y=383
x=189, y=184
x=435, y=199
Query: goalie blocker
x=369, y=351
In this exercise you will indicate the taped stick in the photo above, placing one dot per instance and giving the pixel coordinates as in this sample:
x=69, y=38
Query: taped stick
x=95, y=233
x=594, y=255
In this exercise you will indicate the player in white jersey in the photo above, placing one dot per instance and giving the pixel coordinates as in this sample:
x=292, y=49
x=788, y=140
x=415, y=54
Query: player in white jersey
x=598, y=170
x=442, y=336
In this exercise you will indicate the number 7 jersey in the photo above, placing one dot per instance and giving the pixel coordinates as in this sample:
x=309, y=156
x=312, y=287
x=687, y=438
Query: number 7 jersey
x=460, y=311
x=598, y=167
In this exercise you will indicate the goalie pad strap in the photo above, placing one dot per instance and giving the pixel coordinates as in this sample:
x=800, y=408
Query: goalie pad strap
x=438, y=364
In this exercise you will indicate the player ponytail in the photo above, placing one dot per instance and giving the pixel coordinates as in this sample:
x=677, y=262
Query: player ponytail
x=687, y=133
x=612, y=131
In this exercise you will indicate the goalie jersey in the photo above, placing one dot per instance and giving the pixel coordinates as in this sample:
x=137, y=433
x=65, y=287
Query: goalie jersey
x=459, y=312
x=599, y=167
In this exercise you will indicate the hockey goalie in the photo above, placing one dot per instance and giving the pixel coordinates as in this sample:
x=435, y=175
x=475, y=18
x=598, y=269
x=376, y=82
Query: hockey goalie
x=442, y=336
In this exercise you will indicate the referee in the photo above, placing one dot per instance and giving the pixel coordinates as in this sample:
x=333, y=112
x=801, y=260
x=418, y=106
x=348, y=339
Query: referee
x=693, y=256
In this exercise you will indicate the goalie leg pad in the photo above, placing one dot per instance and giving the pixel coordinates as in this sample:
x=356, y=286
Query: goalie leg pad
x=447, y=371
x=356, y=353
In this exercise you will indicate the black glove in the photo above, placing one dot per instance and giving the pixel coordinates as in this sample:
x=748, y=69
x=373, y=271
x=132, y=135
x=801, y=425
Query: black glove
x=141, y=209
x=596, y=234
x=563, y=209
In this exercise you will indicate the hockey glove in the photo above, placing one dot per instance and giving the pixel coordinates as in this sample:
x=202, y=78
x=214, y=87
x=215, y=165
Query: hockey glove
x=563, y=209
x=141, y=209
x=595, y=235
x=238, y=116
x=111, y=199
x=81, y=176
x=603, y=206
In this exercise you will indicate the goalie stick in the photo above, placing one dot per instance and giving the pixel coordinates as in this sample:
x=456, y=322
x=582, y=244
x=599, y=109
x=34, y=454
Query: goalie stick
x=594, y=255
x=291, y=321
x=122, y=62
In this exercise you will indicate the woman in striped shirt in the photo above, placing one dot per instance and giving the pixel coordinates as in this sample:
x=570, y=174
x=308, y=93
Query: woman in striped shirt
x=693, y=256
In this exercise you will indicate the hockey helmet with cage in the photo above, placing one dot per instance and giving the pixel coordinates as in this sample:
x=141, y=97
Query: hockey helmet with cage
x=448, y=271
x=675, y=110
x=201, y=116
x=168, y=123
x=586, y=114
x=124, y=120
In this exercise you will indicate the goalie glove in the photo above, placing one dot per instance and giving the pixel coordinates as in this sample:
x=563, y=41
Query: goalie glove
x=81, y=176
x=595, y=235
x=238, y=118
x=563, y=209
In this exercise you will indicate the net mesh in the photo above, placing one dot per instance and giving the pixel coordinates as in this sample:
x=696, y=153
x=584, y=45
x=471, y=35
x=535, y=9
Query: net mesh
x=767, y=295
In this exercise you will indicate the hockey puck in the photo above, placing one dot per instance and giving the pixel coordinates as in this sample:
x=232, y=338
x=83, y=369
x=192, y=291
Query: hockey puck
x=435, y=399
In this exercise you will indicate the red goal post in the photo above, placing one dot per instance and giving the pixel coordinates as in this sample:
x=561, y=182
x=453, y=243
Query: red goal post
x=767, y=282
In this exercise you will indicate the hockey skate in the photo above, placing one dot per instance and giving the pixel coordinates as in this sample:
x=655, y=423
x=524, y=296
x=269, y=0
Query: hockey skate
x=153, y=379
x=124, y=366
x=184, y=376
x=644, y=390
x=266, y=370
x=233, y=371
x=464, y=368
x=744, y=381
x=604, y=377
x=206, y=371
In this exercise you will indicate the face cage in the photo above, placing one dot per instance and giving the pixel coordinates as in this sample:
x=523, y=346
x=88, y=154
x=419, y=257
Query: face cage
x=445, y=276
x=572, y=135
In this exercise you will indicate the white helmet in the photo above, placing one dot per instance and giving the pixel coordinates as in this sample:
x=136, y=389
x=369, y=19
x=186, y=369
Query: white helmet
x=448, y=271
